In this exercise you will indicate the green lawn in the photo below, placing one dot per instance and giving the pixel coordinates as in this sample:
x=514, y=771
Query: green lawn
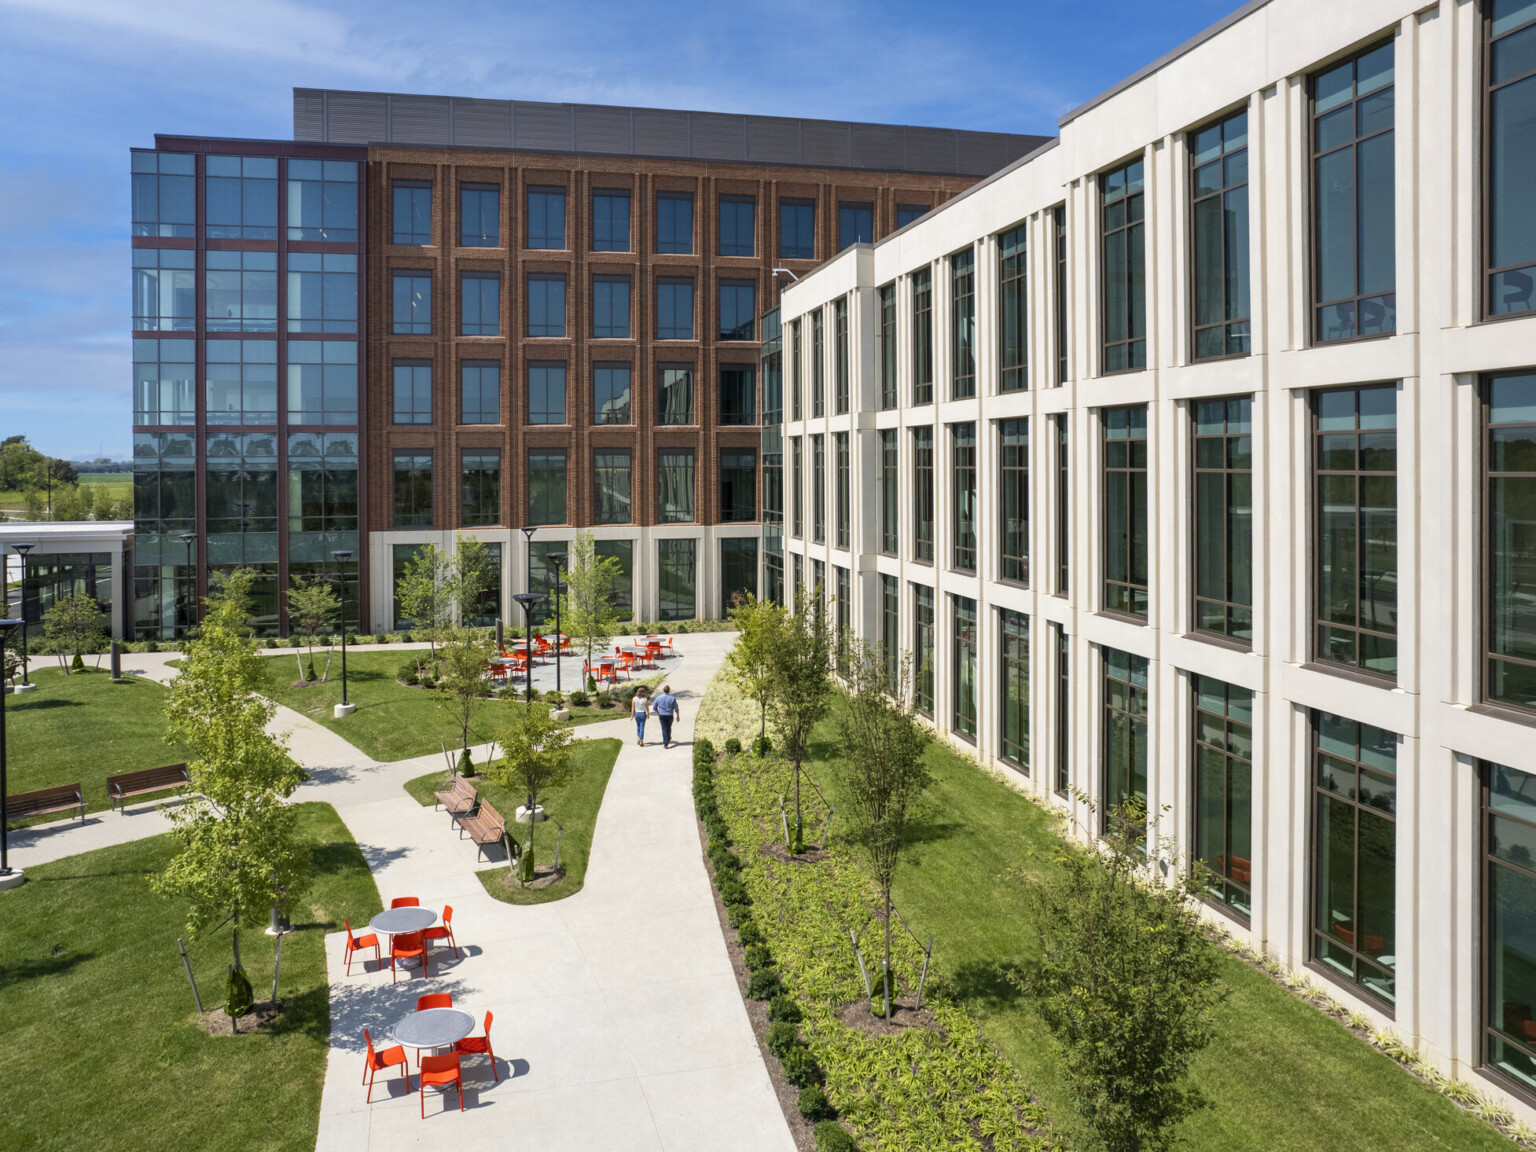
x=102, y=1049
x=574, y=806
x=392, y=722
x=1282, y=1077
x=84, y=728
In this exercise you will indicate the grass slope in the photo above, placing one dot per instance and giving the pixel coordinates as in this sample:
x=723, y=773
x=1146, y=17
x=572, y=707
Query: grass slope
x=102, y=1048
x=575, y=806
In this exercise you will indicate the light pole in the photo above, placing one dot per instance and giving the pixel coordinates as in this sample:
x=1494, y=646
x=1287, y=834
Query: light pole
x=557, y=559
x=529, y=601
x=187, y=538
x=8, y=878
x=341, y=556
x=26, y=684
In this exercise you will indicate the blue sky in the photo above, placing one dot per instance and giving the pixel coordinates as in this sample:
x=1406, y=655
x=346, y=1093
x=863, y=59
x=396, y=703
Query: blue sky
x=85, y=80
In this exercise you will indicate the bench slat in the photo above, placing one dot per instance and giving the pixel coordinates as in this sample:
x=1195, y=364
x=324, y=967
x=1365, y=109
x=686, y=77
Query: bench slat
x=127, y=784
x=45, y=802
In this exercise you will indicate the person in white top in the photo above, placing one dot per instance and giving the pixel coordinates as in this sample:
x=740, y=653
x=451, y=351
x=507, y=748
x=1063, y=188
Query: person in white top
x=642, y=709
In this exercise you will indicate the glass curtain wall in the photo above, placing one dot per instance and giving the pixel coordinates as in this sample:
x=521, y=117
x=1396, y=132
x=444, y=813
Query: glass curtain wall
x=1223, y=801
x=1224, y=518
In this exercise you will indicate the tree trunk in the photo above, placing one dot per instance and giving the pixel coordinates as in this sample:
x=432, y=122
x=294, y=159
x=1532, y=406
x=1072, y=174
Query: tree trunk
x=887, y=954
x=762, y=726
x=235, y=936
x=799, y=835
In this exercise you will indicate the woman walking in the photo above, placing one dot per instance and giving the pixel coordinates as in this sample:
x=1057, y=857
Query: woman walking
x=642, y=709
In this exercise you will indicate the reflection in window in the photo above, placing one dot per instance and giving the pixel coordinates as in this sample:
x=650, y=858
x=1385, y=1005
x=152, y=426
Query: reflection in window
x=164, y=194
x=674, y=400
x=242, y=381
x=613, y=496
x=797, y=487
x=322, y=382
x=1218, y=157
x=1063, y=709
x=322, y=292
x=411, y=311
x=676, y=569
x=322, y=200
x=240, y=498
x=1059, y=227
x=738, y=486
x=621, y=595
x=164, y=290
x=1224, y=791
x=738, y=394
x=1224, y=517
x=1509, y=910
x=610, y=221
x=1511, y=150
x=546, y=392
x=922, y=649
x=1063, y=506
x=479, y=216
x=674, y=476
x=610, y=391
x=240, y=291
x=546, y=218
x=890, y=630
x=479, y=392
x=164, y=381
x=1125, y=510
x=411, y=212
x=1509, y=457
x=322, y=489
x=480, y=488
x=1121, y=208
x=1014, y=688
x=479, y=304
x=674, y=309
x=1124, y=781
x=738, y=571
x=546, y=487
x=240, y=198
x=413, y=490
x=963, y=666
x=674, y=224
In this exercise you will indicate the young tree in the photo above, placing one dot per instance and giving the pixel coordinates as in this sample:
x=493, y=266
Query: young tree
x=1127, y=980
x=462, y=686
x=801, y=684
x=471, y=577
x=586, y=611
x=73, y=626
x=536, y=756
x=884, y=772
x=751, y=659
x=68, y=502
x=427, y=595
x=239, y=846
x=312, y=605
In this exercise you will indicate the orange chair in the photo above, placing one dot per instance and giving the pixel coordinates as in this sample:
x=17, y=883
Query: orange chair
x=443, y=931
x=440, y=1070
x=626, y=664
x=653, y=653
x=474, y=1045
x=1345, y=934
x=405, y=902
x=434, y=1000
x=542, y=645
x=384, y=1059
x=358, y=943
x=406, y=947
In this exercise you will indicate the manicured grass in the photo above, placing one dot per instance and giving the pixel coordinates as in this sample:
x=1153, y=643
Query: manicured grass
x=85, y=728
x=574, y=806
x=392, y=721
x=102, y=1048
x=1280, y=1075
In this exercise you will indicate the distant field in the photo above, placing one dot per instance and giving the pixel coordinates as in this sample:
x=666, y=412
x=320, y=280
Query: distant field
x=117, y=484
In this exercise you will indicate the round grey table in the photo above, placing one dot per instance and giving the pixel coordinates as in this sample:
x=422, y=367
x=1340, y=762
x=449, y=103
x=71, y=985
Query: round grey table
x=433, y=1028
x=403, y=922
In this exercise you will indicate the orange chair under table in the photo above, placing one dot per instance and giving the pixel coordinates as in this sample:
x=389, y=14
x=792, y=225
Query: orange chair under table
x=385, y=1059
x=407, y=946
x=358, y=943
x=443, y=931
x=405, y=902
x=474, y=1045
x=440, y=1071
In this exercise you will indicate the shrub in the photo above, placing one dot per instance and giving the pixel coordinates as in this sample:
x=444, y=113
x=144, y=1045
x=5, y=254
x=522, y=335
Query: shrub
x=77, y=664
x=833, y=1137
x=782, y=1036
x=723, y=859
x=591, y=685
x=761, y=746
x=801, y=1068
x=553, y=697
x=580, y=699
x=151, y=646
x=749, y=933
x=733, y=747
x=270, y=643
x=604, y=700
x=407, y=672
x=738, y=914
x=813, y=1104
x=765, y=985
x=758, y=957
x=783, y=1007
x=380, y=638
x=703, y=752
x=732, y=891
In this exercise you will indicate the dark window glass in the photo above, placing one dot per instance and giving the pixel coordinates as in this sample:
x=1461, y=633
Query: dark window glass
x=922, y=337
x=738, y=486
x=610, y=221
x=1354, y=233
x=479, y=304
x=674, y=476
x=546, y=305
x=412, y=391
x=1063, y=710
x=855, y=224
x=888, y=347
x=1224, y=791
x=1509, y=458
x=890, y=491
x=322, y=292
x=487, y=608
x=546, y=487
x=322, y=382
x=1510, y=116
x=546, y=218
x=1218, y=160
x=797, y=485
x=240, y=486
x=165, y=381
x=241, y=381
x=674, y=309
x=240, y=291
x=322, y=489
x=413, y=490
x=842, y=500
x=794, y=369
x=738, y=571
x=818, y=364
x=1224, y=517
x=738, y=394
x=1124, y=270
x=1125, y=510
x=674, y=401
x=840, y=366
x=546, y=393
x=819, y=489
x=480, y=488
x=1013, y=446
x=610, y=308
x=240, y=198
x=479, y=391
x=842, y=605
x=164, y=194
x=906, y=213
x=1013, y=697
x=612, y=488
x=479, y=216
x=165, y=290
x=1059, y=223
x=962, y=463
x=1509, y=921
x=1013, y=310
x=1356, y=518
x=1063, y=508
x=1124, y=781
x=676, y=573
x=412, y=310
x=797, y=229
x=674, y=224
x=738, y=224
x=738, y=310
x=963, y=674
x=611, y=394
x=922, y=649
x=412, y=212
x=962, y=324
x=322, y=200
x=922, y=494
x=1354, y=862
x=890, y=630
x=622, y=594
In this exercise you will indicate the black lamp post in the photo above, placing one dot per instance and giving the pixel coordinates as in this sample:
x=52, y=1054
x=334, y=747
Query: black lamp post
x=341, y=556
x=8, y=878
x=557, y=559
x=187, y=538
x=26, y=684
x=529, y=601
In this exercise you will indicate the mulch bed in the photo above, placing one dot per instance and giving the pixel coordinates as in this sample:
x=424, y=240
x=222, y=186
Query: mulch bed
x=262, y=1016
x=543, y=877
x=782, y=854
x=903, y=1016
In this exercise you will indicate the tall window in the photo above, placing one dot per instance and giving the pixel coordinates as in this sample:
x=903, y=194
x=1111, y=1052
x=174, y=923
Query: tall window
x=1063, y=508
x=322, y=200
x=1125, y=732
x=612, y=488
x=1063, y=710
x=738, y=310
x=738, y=571
x=1510, y=74
x=962, y=326
x=963, y=666
x=412, y=212
x=546, y=392
x=674, y=394
x=1356, y=517
x=242, y=381
x=479, y=304
x=1121, y=208
x=840, y=354
x=906, y=213
x=546, y=218
x=674, y=492
x=412, y=312
x=797, y=483
x=546, y=305
x=888, y=347
x=794, y=369
x=165, y=382
x=241, y=291
x=1218, y=188
x=890, y=491
x=164, y=194
x=962, y=463
x=674, y=308
x=1224, y=790
x=922, y=648
x=922, y=336
x=480, y=488
x=819, y=489
x=738, y=487
x=922, y=494
x=1224, y=517
x=165, y=290
x=479, y=216
x=890, y=628
x=1354, y=865
x=1014, y=694
x=610, y=221
x=610, y=307
x=1509, y=921
x=611, y=394
x=1125, y=510
x=843, y=609
x=322, y=485
x=479, y=391
x=413, y=490
x=738, y=226
x=1354, y=238
x=412, y=391
x=621, y=592
x=1013, y=310
x=1013, y=450
x=546, y=487
x=322, y=292
x=855, y=224
x=818, y=363
x=676, y=575
x=1509, y=459
x=674, y=223
x=843, y=502
x=1059, y=226
x=240, y=198
x=797, y=229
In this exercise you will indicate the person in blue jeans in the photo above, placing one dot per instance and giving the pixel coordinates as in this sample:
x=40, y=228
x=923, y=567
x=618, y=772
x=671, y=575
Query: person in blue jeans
x=642, y=709
x=667, y=711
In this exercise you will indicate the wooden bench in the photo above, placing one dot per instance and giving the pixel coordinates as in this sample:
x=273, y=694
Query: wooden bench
x=458, y=798
x=485, y=826
x=121, y=787
x=45, y=802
